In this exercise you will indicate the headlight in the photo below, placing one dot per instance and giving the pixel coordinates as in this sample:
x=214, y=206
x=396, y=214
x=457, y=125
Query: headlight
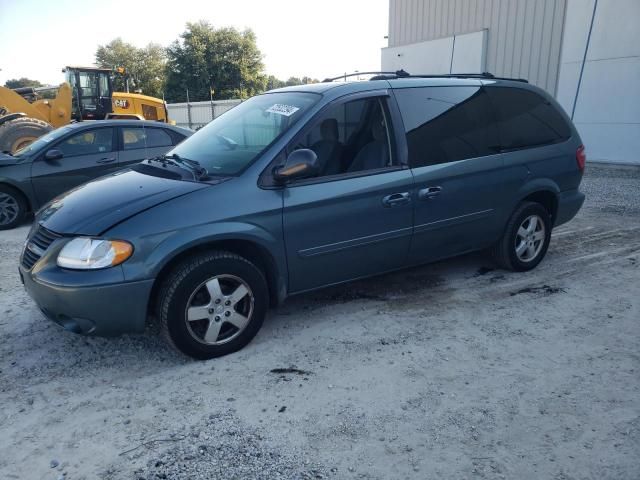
x=92, y=253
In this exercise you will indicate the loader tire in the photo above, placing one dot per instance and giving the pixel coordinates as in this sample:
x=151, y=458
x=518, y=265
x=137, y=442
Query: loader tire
x=18, y=133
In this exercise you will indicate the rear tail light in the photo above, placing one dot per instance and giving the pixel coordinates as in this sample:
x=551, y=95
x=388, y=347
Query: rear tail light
x=581, y=157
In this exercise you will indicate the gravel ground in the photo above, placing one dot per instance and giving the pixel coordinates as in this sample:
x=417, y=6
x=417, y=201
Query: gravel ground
x=612, y=190
x=452, y=370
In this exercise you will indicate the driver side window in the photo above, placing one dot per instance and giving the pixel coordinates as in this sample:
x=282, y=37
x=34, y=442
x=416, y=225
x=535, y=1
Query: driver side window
x=350, y=137
x=87, y=142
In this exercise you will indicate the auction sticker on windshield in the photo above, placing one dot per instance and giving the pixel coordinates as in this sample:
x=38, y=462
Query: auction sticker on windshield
x=281, y=109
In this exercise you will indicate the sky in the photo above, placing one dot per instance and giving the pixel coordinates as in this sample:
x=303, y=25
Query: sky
x=317, y=38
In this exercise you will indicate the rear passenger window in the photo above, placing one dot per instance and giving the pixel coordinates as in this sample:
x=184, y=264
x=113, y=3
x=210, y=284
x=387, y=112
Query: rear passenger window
x=446, y=124
x=138, y=137
x=525, y=119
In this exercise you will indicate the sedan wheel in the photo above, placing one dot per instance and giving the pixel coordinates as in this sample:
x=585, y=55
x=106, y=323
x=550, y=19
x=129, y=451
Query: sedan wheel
x=12, y=208
x=9, y=209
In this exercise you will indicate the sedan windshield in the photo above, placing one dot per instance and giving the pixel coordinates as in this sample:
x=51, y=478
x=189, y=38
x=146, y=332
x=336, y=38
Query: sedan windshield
x=42, y=142
x=232, y=141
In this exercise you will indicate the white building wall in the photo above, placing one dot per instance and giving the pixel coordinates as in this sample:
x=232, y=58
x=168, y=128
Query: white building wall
x=464, y=53
x=523, y=37
x=470, y=53
x=607, y=108
x=543, y=41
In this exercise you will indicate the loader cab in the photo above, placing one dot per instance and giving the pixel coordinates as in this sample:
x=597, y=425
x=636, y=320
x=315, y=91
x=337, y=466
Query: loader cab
x=92, y=91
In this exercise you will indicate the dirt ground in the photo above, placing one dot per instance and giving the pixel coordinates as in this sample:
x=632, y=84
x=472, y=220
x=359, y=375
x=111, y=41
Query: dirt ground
x=449, y=371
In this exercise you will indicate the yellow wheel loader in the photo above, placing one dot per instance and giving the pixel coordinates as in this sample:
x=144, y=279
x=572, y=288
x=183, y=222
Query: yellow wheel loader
x=87, y=94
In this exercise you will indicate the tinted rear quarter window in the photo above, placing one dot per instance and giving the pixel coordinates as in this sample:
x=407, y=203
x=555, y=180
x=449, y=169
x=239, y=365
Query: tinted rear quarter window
x=176, y=137
x=446, y=124
x=138, y=137
x=526, y=119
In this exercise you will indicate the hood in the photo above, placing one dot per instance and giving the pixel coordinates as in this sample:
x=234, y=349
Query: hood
x=98, y=205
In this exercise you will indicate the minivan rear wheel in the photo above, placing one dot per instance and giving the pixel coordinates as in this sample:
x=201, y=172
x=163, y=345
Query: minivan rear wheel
x=212, y=304
x=526, y=238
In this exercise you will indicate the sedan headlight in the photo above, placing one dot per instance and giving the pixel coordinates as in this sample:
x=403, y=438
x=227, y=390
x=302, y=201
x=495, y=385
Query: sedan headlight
x=92, y=253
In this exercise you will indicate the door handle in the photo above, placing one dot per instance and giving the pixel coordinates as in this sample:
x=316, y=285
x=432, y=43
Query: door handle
x=396, y=199
x=106, y=160
x=429, y=192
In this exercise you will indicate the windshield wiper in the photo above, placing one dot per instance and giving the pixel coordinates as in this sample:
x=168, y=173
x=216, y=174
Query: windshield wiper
x=194, y=166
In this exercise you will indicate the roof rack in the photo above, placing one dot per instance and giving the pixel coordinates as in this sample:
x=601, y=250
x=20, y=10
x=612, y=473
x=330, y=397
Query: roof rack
x=396, y=74
x=404, y=74
x=486, y=75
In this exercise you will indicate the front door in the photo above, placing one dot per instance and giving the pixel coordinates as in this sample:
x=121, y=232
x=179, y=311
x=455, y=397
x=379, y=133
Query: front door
x=459, y=176
x=87, y=154
x=355, y=218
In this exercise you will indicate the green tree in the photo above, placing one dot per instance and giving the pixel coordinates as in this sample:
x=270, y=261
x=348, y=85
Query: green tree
x=292, y=81
x=145, y=67
x=22, y=82
x=273, y=82
x=224, y=60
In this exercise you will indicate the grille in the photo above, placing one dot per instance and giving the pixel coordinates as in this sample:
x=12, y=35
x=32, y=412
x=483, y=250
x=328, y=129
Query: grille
x=41, y=239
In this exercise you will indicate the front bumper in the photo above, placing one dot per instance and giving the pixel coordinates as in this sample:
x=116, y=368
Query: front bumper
x=569, y=203
x=89, y=309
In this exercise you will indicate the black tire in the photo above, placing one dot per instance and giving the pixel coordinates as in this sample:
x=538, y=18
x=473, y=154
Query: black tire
x=504, y=252
x=18, y=133
x=177, y=292
x=13, y=207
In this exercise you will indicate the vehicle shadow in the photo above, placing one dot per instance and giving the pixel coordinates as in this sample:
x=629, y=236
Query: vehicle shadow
x=419, y=286
x=39, y=345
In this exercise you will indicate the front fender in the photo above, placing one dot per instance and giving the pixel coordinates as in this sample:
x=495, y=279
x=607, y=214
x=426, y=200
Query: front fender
x=149, y=263
x=180, y=241
x=22, y=184
x=233, y=210
x=153, y=253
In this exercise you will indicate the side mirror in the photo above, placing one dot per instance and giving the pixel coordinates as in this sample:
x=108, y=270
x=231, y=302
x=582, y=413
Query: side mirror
x=53, y=154
x=301, y=163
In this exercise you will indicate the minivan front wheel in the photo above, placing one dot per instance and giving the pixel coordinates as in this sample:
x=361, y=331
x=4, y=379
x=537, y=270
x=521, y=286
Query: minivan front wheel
x=526, y=238
x=212, y=304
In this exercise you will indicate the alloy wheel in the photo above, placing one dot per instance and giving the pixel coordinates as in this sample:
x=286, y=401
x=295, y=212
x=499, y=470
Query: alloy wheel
x=219, y=309
x=9, y=208
x=530, y=238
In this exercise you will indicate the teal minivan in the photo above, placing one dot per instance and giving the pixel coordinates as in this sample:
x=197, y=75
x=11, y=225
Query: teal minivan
x=301, y=188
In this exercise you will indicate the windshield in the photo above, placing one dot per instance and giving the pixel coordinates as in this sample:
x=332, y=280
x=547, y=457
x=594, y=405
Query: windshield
x=42, y=142
x=232, y=141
